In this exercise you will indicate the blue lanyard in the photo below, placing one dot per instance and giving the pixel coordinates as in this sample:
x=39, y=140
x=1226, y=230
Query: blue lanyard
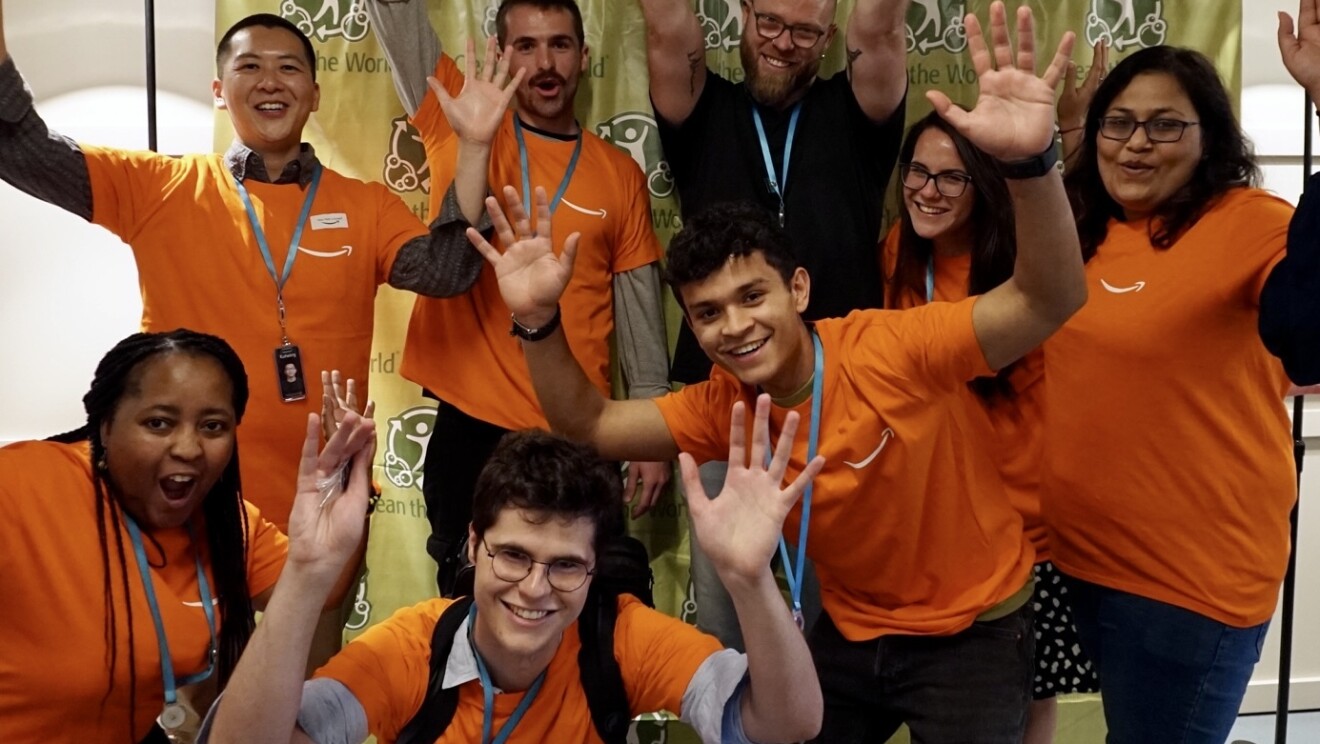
x=930, y=279
x=780, y=184
x=260, y=234
x=793, y=571
x=488, y=693
x=167, y=663
x=526, y=170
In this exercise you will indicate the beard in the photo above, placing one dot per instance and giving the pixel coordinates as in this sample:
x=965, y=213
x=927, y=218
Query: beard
x=774, y=89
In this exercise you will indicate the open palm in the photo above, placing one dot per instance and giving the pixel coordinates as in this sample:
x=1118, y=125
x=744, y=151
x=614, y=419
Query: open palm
x=478, y=111
x=1014, y=114
x=334, y=485
x=531, y=277
x=739, y=529
x=1301, y=52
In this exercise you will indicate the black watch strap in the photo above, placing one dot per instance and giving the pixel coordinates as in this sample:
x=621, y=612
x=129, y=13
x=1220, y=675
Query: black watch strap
x=535, y=334
x=1033, y=167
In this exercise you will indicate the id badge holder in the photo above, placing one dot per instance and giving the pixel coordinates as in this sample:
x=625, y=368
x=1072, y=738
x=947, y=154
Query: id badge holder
x=289, y=373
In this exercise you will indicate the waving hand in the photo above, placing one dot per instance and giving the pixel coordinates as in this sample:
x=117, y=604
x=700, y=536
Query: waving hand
x=531, y=277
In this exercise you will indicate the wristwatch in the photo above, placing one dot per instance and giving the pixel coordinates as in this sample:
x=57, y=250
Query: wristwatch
x=534, y=334
x=1033, y=167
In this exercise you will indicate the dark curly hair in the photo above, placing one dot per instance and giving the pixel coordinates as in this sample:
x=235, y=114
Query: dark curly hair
x=712, y=237
x=1226, y=161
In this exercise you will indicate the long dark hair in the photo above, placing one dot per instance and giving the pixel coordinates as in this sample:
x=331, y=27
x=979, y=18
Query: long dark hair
x=1226, y=156
x=119, y=374
x=993, y=248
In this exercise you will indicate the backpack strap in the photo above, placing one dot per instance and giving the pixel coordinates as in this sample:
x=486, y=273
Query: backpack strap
x=602, y=680
x=439, y=705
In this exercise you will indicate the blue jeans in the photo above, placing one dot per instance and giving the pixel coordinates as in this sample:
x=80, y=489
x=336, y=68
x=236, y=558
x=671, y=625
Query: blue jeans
x=1167, y=674
x=972, y=687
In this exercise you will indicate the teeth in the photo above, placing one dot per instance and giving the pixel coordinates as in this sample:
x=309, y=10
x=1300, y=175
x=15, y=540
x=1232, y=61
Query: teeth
x=528, y=614
x=270, y=106
x=929, y=210
x=748, y=348
x=180, y=479
x=777, y=62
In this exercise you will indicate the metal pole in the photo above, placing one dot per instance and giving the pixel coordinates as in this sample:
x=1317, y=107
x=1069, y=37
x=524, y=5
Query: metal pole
x=150, y=28
x=1299, y=451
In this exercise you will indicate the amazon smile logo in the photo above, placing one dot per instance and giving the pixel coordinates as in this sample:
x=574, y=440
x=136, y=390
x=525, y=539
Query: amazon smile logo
x=1135, y=287
x=344, y=251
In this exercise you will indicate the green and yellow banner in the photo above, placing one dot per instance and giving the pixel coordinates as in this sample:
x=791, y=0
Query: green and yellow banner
x=360, y=130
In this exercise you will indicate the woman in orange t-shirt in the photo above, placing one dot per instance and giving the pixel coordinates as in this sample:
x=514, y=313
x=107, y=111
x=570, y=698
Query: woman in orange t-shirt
x=954, y=239
x=1168, y=472
x=127, y=542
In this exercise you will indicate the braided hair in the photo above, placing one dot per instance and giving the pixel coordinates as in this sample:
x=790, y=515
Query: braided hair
x=117, y=375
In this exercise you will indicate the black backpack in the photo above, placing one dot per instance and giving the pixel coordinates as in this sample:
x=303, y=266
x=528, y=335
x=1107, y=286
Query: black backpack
x=623, y=567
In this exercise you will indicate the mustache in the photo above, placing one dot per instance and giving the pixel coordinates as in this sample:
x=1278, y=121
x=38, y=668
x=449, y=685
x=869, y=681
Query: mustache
x=547, y=76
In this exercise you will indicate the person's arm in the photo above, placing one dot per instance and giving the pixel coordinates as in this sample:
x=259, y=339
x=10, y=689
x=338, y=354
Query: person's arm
x=1014, y=120
x=443, y=264
x=410, y=45
x=877, y=52
x=739, y=532
x=1075, y=101
x=675, y=58
x=531, y=280
x=262, y=699
x=33, y=159
x=639, y=333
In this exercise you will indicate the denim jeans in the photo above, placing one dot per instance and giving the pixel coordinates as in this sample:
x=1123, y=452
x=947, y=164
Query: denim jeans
x=972, y=687
x=715, y=614
x=1167, y=674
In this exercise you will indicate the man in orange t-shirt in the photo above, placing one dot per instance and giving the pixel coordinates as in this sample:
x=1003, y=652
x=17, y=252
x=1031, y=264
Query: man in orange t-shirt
x=924, y=585
x=544, y=510
x=459, y=349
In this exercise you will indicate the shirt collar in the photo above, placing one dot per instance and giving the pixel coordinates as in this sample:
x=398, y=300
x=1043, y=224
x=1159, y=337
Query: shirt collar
x=461, y=667
x=245, y=163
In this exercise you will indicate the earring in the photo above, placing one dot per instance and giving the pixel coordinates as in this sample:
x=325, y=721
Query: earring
x=100, y=463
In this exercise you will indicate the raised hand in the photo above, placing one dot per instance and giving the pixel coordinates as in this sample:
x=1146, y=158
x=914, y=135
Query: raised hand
x=1014, y=114
x=1300, y=50
x=739, y=529
x=531, y=277
x=479, y=109
x=337, y=401
x=329, y=509
x=651, y=478
x=1076, y=99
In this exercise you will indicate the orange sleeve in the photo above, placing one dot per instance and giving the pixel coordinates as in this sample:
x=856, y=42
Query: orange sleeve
x=125, y=187
x=698, y=416
x=888, y=258
x=1261, y=237
x=267, y=549
x=387, y=667
x=430, y=118
x=658, y=656
x=932, y=346
x=636, y=245
x=395, y=225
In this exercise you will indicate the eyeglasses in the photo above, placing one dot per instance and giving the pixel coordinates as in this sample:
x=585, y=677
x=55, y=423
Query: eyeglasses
x=771, y=27
x=1121, y=128
x=564, y=574
x=949, y=183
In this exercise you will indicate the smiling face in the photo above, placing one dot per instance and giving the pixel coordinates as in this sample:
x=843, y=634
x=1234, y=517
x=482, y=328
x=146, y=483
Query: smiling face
x=519, y=623
x=545, y=43
x=748, y=321
x=170, y=438
x=777, y=71
x=266, y=86
x=1139, y=174
x=944, y=220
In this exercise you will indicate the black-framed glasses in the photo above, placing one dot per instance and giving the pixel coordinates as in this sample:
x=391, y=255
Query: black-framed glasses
x=564, y=574
x=1121, y=128
x=950, y=183
x=771, y=27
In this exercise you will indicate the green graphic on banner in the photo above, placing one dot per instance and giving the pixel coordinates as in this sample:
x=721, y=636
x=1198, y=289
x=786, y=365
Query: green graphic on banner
x=325, y=19
x=405, y=167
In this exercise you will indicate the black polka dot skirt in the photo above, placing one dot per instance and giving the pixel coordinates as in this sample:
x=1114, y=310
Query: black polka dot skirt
x=1061, y=667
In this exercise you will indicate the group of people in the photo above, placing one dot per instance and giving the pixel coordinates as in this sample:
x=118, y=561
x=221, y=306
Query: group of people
x=1031, y=440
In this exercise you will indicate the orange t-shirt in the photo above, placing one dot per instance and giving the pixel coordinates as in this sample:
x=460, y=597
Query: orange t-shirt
x=910, y=532
x=199, y=268
x=1168, y=457
x=54, y=661
x=387, y=668
x=1017, y=431
x=460, y=348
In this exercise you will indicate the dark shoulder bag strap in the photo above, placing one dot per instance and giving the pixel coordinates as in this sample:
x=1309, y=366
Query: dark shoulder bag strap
x=439, y=704
x=601, y=678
